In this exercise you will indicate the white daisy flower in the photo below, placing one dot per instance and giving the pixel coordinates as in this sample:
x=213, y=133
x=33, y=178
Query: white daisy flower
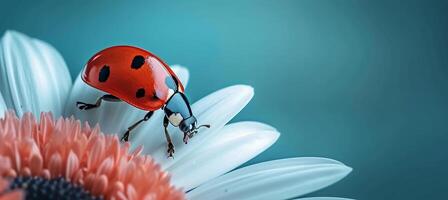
x=35, y=78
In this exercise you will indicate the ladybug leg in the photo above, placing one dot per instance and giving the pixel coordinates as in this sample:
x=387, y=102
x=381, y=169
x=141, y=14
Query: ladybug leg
x=168, y=138
x=111, y=98
x=87, y=106
x=127, y=133
x=186, y=137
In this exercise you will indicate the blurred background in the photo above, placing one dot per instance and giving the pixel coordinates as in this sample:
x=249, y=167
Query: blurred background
x=362, y=82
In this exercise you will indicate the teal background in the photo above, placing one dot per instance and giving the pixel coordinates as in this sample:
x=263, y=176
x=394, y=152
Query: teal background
x=362, y=82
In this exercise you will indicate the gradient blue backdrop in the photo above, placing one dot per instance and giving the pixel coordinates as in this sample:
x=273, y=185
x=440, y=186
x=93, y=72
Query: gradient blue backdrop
x=363, y=82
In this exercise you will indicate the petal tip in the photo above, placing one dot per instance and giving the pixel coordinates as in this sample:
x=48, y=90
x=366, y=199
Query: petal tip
x=9, y=34
x=341, y=171
x=275, y=135
x=182, y=73
x=246, y=88
x=179, y=69
x=272, y=135
x=347, y=169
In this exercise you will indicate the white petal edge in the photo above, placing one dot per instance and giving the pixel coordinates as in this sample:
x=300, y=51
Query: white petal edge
x=3, y=107
x=323, y=198
x=278, y=179
x=234, y=145
x=215, y=109
x=181, y=73
x=113, y=117
x=34, y=76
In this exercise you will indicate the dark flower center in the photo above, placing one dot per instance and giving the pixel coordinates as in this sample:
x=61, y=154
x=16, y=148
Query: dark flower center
x=57, y=188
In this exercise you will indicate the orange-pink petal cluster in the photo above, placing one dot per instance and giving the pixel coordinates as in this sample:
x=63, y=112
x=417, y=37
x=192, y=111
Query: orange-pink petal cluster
x=14, y=195
x=82, y=155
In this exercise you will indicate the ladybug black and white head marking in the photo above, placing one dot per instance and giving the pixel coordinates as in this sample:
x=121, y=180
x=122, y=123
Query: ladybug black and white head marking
x=177, y=109
x=178, y=112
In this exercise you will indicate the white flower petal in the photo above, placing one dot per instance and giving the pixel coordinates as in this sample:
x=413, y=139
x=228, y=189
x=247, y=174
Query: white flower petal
x=3, y=107
x=278, y=179
x=324, y=198
x=232, y=146
x=34, y=76
x=181, y=73
x=113, y=117
x=215, y=109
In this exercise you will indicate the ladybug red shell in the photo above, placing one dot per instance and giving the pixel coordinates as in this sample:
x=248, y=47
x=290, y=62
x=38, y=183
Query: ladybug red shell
x=132, y=74
x=141, y=79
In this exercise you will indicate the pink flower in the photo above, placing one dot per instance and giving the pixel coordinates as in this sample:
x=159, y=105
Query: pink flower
x=64, y=152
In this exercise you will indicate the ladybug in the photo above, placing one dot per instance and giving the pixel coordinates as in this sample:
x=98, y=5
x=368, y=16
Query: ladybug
x=143, y=80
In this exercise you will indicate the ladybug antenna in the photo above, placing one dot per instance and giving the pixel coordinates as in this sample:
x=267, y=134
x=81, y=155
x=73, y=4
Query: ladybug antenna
x=195, y=130
x=204, y=125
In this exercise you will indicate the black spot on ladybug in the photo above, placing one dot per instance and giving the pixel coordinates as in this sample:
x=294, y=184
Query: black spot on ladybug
x=140, y=93
x=104, y=74
x=137, y=62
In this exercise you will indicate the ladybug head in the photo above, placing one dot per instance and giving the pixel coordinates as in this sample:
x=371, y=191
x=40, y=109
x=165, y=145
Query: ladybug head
x=177, y=110
x=189, y=126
